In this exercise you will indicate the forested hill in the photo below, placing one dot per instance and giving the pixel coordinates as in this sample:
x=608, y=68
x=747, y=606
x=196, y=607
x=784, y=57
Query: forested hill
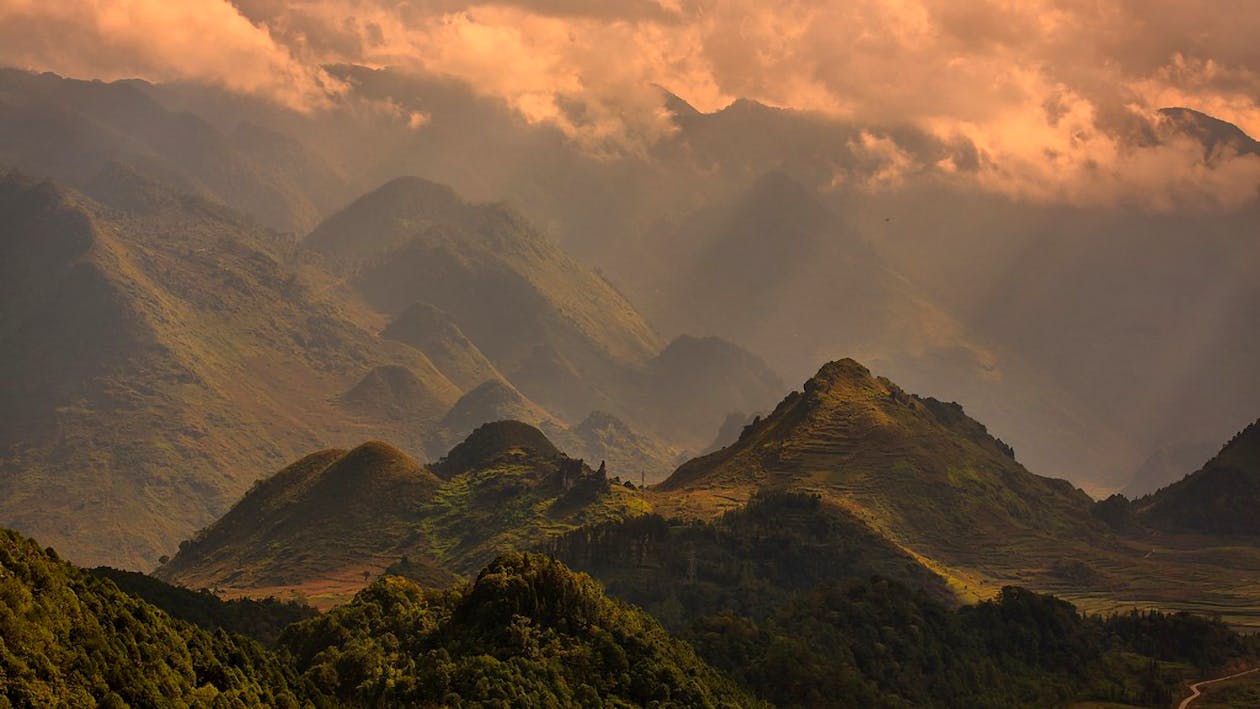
x=68, y=638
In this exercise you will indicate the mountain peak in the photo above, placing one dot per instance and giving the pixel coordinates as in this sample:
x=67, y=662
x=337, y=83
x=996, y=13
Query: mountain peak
x=490, y=441
x=911, y=462
x=840, y=371
x=1219, y=498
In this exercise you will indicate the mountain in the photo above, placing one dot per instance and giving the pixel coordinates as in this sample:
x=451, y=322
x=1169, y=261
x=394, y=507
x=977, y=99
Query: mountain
x=71, y=639
x=494, y=400
x=1166, y=466
x=629, y=454
x=918, y=470
x=526, y=632
x=158, y=352
x=469, y=283
x=260, y=619
x=506, y=286
x=1219, y=498
x=331, y=521
x=775, y=269
x=392, y=391
x=694, y=381
x=69, y=130
x=332, y=512
x=747, y=562
x=1214, y=134
x=436, y=334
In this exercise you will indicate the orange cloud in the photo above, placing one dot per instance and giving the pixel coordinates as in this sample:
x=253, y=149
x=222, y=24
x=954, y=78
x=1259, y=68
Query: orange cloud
x=206, y=40
x=1048, y=91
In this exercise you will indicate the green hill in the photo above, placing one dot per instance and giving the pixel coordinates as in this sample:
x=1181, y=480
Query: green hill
x=260, y=619
x=68, y=638
x=328, y=523
x=331, y=512
x=749, y=561
x=1222, y=497
x=526, y=632
x=917, y=470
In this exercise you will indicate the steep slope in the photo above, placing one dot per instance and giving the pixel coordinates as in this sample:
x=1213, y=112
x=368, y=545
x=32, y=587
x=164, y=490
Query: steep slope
x=331, y=521
x=692, y=385
x=331, y=512
x=527, y=632
x=413, y=240
x=547, y=324
x=437, y=335
x=1167, y=465
x=68, y=130
x=157, y=355
x=71, y=639
x=1222, y=497
x=917, y=469
x=392, y=391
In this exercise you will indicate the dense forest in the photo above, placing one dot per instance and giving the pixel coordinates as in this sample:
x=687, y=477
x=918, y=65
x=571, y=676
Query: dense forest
x=529, y=631
x=68, y=638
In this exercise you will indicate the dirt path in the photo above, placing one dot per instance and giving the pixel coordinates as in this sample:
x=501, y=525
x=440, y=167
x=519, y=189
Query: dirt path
x=1194, y=688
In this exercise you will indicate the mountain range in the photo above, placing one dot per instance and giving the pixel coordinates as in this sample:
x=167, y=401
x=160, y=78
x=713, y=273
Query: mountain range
x=163, y=350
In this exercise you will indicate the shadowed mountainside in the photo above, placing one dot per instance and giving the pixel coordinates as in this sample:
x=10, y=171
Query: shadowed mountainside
x=157, y=352
x=1221, y=498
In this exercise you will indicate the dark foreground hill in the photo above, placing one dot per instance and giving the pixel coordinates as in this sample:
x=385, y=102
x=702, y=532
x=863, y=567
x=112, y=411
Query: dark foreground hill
x=1222, y=497
x=71, y=639
x=749, y=561
x=526, y=632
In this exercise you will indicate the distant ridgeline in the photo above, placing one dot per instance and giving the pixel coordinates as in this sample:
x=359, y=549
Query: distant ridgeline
x=528, y=631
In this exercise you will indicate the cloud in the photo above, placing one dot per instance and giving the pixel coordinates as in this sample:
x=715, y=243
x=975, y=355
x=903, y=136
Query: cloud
x=1055, y=98
x=205, y=40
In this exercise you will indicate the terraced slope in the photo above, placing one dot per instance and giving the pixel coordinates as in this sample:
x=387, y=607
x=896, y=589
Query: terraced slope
x=920, y=470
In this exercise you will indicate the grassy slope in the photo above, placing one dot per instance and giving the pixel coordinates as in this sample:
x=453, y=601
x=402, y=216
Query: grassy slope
x=328, y=523
x=916, y=469
x=157, y=358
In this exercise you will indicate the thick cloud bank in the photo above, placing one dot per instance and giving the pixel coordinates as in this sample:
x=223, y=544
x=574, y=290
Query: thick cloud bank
x=1054, y=100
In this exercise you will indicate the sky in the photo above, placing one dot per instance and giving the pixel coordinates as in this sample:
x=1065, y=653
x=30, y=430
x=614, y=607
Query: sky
x=1056, y=95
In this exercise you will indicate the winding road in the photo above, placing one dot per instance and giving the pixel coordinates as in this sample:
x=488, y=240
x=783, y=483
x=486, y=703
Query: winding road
x=1194, y=688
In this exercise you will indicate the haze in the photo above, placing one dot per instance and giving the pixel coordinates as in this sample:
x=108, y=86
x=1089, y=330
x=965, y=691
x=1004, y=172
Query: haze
x=1046, y=211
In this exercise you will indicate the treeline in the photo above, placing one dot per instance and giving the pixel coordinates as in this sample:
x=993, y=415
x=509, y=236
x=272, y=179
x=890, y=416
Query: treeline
x=749, y=561
x=880, y=644
x=527, y=632
x=68, y=638
x=261, y=619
